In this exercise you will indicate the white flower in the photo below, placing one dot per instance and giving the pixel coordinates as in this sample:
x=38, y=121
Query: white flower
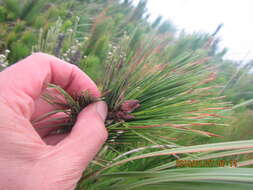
x=2, y=56
x=7, y=51
x=74, y=48
x=5, y=64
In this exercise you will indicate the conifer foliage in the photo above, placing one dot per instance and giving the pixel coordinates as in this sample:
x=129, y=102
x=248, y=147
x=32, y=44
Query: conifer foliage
x=159, y=88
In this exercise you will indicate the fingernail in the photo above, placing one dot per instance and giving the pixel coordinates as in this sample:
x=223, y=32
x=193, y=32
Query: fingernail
x=101, y=108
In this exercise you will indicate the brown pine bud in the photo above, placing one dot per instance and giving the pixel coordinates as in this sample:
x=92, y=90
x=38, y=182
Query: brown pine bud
x=129, y=106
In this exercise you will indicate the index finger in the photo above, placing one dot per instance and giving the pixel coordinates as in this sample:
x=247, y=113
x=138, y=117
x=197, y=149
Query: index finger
x=23, y=82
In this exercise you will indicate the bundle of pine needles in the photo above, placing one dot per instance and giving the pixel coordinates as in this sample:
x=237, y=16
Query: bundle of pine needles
x=150, y=96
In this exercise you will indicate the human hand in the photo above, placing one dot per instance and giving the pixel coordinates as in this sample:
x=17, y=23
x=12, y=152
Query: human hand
x=29, y=160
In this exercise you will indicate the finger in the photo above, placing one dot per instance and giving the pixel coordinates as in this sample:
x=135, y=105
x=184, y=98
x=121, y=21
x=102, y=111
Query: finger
x=25, y=81
x=50, y=124
x=42, y=107
x=54, y=139
x=87, y=135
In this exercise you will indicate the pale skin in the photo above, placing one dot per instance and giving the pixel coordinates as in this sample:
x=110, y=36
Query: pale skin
x=30, y=158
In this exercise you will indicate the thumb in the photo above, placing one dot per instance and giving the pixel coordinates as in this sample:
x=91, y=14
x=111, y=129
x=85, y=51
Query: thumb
x=65, y=162
x=87, y=135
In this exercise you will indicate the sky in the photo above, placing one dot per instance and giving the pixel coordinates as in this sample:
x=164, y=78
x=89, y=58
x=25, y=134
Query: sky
x=206, y=15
